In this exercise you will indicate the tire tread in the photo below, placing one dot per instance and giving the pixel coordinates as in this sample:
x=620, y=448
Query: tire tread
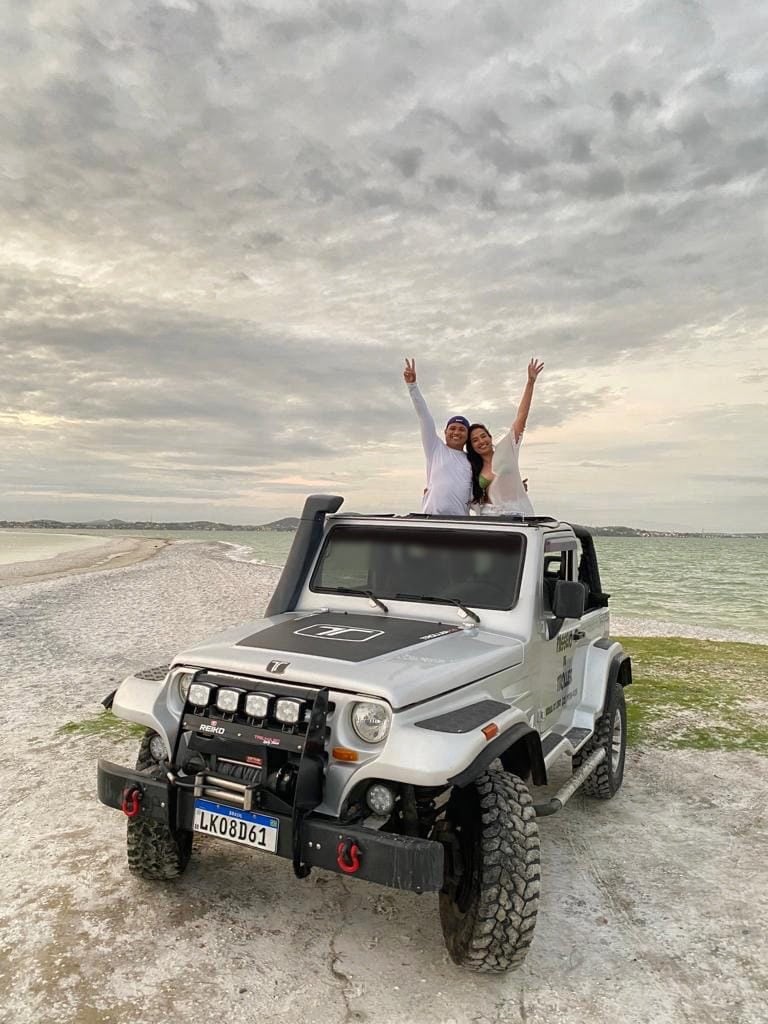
x=155, y=851
x=601, y=783
x=498, y=929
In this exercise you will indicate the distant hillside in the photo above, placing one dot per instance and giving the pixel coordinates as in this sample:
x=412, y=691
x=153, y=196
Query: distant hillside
x=289, y=523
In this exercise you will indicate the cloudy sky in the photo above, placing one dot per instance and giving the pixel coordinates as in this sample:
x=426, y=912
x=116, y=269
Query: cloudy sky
x=225, y=223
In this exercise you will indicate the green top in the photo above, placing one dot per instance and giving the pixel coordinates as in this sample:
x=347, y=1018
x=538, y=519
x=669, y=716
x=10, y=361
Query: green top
x=485, y=481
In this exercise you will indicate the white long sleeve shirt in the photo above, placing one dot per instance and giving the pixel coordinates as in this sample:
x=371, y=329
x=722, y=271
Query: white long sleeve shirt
x=449, y=475
x=506, y=493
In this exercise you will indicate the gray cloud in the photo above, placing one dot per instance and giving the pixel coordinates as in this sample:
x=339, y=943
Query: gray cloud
x=624, y=104
x=735, y=478
x=225, y=224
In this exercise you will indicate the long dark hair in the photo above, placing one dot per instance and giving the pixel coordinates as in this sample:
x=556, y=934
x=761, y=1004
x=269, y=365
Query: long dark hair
x=476, y=462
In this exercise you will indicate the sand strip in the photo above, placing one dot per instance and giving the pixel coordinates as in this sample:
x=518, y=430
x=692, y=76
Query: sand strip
x=113, y=553
x=652, y=903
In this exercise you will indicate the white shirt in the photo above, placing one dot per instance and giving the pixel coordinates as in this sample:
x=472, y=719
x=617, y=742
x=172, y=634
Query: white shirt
x=449, y=475
x=506, y=492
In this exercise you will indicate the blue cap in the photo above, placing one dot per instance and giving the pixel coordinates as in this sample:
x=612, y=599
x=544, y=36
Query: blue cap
x=458, y=419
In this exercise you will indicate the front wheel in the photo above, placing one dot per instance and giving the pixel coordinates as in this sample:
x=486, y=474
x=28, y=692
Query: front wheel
x=155, y=851
x=490, y=897
x=610, y=734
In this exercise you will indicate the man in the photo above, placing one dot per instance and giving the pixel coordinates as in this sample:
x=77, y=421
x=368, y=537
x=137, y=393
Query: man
x=449, y=475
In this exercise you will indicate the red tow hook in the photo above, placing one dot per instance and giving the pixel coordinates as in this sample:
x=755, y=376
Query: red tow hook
x=348, y=856
x=131, y=804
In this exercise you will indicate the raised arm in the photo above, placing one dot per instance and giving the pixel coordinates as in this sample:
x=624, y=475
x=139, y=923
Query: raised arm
x=534, y=369
x=429, y=438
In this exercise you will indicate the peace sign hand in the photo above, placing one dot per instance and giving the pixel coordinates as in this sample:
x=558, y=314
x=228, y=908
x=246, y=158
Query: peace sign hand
x=534, y=369
x=409, y=373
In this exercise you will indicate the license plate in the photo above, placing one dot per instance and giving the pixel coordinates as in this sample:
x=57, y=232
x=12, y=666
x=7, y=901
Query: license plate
x=256, y=830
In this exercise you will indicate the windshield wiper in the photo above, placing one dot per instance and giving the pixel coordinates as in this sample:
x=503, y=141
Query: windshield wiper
x=440, y=600
x=363, y=593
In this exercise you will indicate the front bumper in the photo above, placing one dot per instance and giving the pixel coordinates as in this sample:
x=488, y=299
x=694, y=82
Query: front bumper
x=401, y=862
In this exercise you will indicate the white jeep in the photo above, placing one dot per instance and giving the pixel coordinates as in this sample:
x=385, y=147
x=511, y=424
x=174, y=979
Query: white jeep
x=414, y=677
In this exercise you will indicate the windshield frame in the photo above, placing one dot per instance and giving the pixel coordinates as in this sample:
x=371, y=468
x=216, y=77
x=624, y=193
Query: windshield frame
x=419, y=532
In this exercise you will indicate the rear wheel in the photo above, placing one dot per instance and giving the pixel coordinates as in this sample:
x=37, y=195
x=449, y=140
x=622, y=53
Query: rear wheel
x=491, y=893
x=610, y=734
x=155, y=851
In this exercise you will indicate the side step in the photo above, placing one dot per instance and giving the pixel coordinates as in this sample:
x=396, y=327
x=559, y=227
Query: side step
x=564, y=794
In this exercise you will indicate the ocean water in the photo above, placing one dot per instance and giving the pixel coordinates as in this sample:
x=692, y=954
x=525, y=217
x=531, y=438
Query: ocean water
x=718, y=583
x=35, y=545
x=712, y=583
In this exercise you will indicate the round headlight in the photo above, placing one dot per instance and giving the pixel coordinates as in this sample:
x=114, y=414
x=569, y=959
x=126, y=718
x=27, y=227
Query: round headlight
x=183, y=683
x=371, y=721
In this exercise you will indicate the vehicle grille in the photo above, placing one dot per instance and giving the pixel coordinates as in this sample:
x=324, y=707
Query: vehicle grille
x=155, y=675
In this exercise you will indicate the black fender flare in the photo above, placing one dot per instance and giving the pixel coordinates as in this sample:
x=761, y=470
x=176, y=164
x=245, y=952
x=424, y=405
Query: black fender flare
x=620, y=670
x=620, y=667
x=498, y=747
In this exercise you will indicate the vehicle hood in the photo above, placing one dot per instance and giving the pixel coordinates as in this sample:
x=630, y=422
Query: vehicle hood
x=400, y=660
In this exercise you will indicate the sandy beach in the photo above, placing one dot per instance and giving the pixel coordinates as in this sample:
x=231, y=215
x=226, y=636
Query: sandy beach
x=653, y=908
x=112, y=553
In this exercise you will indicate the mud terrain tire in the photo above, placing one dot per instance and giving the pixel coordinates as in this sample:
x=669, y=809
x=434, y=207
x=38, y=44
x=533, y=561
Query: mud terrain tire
x=488, y=911
x=155, y=851
x=611, y=734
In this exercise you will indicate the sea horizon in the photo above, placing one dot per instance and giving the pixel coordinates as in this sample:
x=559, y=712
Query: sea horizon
x=680, y=585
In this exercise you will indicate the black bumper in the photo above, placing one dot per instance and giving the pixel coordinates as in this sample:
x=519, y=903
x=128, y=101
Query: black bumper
x=401, y=862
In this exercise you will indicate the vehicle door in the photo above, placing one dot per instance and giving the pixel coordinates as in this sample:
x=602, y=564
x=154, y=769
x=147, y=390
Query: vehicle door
x=559, y=639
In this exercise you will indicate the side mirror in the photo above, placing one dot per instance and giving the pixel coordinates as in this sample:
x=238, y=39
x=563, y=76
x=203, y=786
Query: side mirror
x=569, y=600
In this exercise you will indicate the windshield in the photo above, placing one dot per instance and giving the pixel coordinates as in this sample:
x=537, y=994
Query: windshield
x=478, y=568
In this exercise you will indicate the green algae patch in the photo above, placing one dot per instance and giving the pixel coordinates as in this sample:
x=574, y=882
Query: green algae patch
x=103, y=724
x=697, y=694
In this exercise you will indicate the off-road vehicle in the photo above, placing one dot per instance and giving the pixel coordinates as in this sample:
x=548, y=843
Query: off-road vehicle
x=413, y=678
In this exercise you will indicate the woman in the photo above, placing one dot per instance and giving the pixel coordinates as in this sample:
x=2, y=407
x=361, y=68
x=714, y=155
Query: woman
x=497, y=487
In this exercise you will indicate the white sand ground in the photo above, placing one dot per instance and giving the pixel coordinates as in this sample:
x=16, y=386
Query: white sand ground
x=654, y=904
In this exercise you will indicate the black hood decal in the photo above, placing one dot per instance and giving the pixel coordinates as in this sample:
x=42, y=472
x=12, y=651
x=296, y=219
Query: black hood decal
x=344, y=637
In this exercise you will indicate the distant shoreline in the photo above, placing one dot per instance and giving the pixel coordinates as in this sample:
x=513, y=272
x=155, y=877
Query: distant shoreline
x=289, y=525
x=114, y=553
x=120, y=552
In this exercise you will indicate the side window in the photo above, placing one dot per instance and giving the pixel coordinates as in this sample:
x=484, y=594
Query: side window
x=558, y=565
x=553, y=566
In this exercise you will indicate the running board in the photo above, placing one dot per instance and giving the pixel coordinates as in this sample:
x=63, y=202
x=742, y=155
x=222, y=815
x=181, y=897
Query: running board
x=564, y=794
